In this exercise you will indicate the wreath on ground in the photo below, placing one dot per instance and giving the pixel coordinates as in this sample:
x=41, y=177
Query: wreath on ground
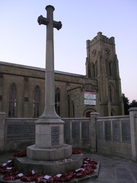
x=10, y=173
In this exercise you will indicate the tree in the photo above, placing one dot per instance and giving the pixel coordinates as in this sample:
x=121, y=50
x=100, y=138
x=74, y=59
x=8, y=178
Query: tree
x=126, y=104
x=133, y=103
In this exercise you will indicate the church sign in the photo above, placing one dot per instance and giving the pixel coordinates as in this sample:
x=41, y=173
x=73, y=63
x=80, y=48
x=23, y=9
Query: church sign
x=90, y=98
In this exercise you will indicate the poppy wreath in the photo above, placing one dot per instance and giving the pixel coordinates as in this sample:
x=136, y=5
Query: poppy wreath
x=29, y=177
x=7, y=167
x=89, y=162
x=63, y=177
x=11, y=176
x=10, y=173
x=21, y=153
x=10, y=163
x=79, y=173
x=45, y=179
x=76, y=151
x=6, y=170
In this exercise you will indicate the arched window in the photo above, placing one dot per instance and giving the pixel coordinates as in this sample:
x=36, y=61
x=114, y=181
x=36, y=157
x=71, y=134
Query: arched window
x=110, y=71
x=110, y=93
x=89, y=70
x=68, y=105
x=73, y=109
x=113, y=112
x=107, y=68
x=12, y=101
x=94, y=71
x=57, y=101
x=36, y=101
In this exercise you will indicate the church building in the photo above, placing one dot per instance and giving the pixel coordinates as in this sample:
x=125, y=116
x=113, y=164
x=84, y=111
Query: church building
x=22, y=88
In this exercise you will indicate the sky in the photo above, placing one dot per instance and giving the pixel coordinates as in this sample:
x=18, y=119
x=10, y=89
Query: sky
x=23, y=40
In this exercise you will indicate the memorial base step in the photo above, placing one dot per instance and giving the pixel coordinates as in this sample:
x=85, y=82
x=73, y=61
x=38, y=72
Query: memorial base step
x=25, y=165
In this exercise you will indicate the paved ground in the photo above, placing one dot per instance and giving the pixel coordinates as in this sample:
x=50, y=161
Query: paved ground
x=112, y=169
x=115, y=170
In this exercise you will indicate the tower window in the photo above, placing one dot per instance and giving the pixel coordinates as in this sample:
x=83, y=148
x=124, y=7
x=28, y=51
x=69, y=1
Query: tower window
x=94, y=72
x=110, y=71
x=57, y=101
x=89, y=70
x=110, y=94
x=96, y=69
x=12, y=101
x=36, y=102
x=73, y=109
x=68, y=105
x=107, y=67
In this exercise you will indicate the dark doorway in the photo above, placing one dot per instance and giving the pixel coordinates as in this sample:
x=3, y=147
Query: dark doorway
x=88, y=114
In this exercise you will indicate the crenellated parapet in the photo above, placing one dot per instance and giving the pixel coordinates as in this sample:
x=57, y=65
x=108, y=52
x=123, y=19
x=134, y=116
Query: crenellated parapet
x=102, y=38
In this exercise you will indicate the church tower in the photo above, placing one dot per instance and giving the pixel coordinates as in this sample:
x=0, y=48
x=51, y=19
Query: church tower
x=102, y=65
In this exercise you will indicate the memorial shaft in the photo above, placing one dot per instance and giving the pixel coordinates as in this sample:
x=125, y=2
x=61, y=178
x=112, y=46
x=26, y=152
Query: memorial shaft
x=49, y=110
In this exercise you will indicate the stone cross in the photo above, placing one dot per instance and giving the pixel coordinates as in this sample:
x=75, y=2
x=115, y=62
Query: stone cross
x=49, y=128
x=49, y=111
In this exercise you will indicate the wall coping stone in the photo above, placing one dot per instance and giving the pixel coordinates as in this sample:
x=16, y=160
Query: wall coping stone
x=113, y=117
x=2, y=113
x=133, y=109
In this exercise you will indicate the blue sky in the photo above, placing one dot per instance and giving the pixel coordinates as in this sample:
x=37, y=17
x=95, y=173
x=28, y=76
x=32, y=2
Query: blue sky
x=23, y=41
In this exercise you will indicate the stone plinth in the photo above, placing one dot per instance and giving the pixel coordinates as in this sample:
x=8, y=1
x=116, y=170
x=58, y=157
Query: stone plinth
x=49, y=134
x=52, y=154
x=25, y=165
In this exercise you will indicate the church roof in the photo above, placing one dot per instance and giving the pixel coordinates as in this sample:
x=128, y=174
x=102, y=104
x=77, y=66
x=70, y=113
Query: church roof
x=39, y=69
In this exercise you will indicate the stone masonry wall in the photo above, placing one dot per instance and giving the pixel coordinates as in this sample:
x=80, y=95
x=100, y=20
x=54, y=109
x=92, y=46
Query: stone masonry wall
x=115, y=136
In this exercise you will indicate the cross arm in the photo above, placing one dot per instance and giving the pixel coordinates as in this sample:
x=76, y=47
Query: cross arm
x=45, y=21
x=42, y=20
x=57, y=25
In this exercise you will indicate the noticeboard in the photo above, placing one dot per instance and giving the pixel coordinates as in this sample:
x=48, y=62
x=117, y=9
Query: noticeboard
x=90, y=98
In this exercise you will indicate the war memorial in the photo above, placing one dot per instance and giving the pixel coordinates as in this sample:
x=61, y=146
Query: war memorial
x=50, y=139
x=49, y=133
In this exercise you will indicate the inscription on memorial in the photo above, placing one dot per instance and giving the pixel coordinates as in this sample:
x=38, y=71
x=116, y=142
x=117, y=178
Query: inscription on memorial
x=67, y=130
x=20, y=131
x=126, y=131
x=116, y=131
x=85, y=130
x=107, y=130
x=55, y=135
x=100, y=130
x=75, y=130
